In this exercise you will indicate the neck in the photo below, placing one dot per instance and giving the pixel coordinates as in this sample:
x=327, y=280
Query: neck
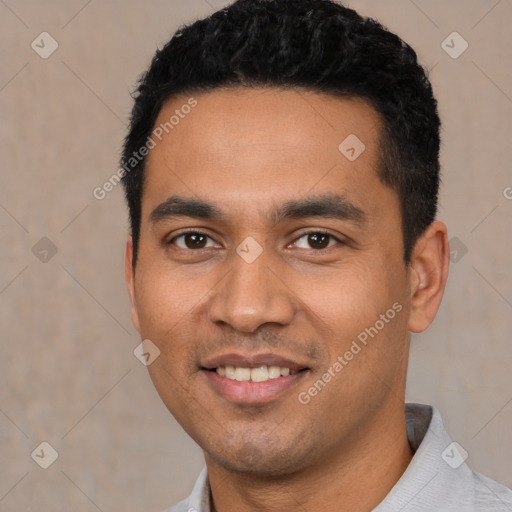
x=354, y=478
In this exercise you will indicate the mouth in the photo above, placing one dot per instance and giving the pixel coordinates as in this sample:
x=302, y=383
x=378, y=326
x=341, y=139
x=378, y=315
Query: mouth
x=260, y=373
x=253, y=379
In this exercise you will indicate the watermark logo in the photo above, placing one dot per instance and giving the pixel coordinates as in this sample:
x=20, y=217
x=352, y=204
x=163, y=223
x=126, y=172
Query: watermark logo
x=454, y=455
x=44, y=45
x=45, y=455
x=146, y=352
x=457, y=249
x=44, y=249
x=454, y=45
x=352, y=147
x=249, y=249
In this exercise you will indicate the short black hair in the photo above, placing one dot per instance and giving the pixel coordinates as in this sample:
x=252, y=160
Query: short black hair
x=317, y=45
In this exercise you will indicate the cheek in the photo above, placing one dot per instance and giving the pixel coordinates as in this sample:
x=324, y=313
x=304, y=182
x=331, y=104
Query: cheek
x=350, y=298
x=360, y=315
x=163, y=301
x=165, y=305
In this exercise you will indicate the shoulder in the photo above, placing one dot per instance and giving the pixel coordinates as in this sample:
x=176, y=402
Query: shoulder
x=488, y=495
x=438, y=477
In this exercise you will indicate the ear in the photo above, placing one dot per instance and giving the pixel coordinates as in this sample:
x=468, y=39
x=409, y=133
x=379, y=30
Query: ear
x=129, y=274
x=429, y=271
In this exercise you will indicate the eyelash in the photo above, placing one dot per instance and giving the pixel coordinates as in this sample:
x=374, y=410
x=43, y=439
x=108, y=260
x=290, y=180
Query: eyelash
x=312, y=232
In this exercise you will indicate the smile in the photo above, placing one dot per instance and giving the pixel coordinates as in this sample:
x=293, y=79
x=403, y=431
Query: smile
x=259, y=374
x=240, y=385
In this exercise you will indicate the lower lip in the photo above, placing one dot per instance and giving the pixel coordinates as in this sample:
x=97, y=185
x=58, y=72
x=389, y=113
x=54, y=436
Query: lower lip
x=253, y=392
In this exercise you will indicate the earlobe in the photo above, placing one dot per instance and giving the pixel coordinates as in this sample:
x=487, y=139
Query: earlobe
x=429, y=272
x=129, y=273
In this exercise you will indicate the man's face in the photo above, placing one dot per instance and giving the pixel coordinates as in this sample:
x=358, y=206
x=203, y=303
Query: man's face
x=268, y=277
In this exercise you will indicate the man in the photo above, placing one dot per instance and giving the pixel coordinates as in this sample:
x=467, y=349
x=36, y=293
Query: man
x=281, y=172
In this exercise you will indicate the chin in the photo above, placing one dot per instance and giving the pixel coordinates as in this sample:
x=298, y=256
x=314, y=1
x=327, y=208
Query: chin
x=262, y=462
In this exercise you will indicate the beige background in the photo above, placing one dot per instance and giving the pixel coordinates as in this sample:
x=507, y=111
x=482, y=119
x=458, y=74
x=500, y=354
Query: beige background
x=68, y=373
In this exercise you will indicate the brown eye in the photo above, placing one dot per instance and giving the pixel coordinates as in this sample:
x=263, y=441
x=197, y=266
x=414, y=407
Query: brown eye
x=191, y=240
x=317, y=240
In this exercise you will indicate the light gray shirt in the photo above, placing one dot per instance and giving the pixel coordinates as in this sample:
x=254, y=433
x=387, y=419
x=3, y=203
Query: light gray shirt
x=436, y=480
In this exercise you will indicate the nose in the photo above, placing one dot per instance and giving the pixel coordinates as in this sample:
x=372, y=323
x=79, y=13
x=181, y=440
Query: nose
x=250, y=295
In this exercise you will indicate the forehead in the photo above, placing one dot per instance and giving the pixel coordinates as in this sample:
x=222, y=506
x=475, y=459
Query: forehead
x=246, y=146
x=241, y=117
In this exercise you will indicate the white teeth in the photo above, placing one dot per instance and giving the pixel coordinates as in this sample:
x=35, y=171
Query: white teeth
x=242, y=374
x=259, y=374
x=230, y=372
x=274, y=372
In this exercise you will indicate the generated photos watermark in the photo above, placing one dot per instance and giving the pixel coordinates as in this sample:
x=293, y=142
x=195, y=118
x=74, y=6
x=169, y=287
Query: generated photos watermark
x=139, y=155
x=337, y=366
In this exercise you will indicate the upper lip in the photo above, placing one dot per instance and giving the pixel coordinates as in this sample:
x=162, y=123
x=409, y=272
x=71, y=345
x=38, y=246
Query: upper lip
x=252, y=361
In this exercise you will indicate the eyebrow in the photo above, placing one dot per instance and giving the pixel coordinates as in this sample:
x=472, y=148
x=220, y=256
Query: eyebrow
x=335, y=206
